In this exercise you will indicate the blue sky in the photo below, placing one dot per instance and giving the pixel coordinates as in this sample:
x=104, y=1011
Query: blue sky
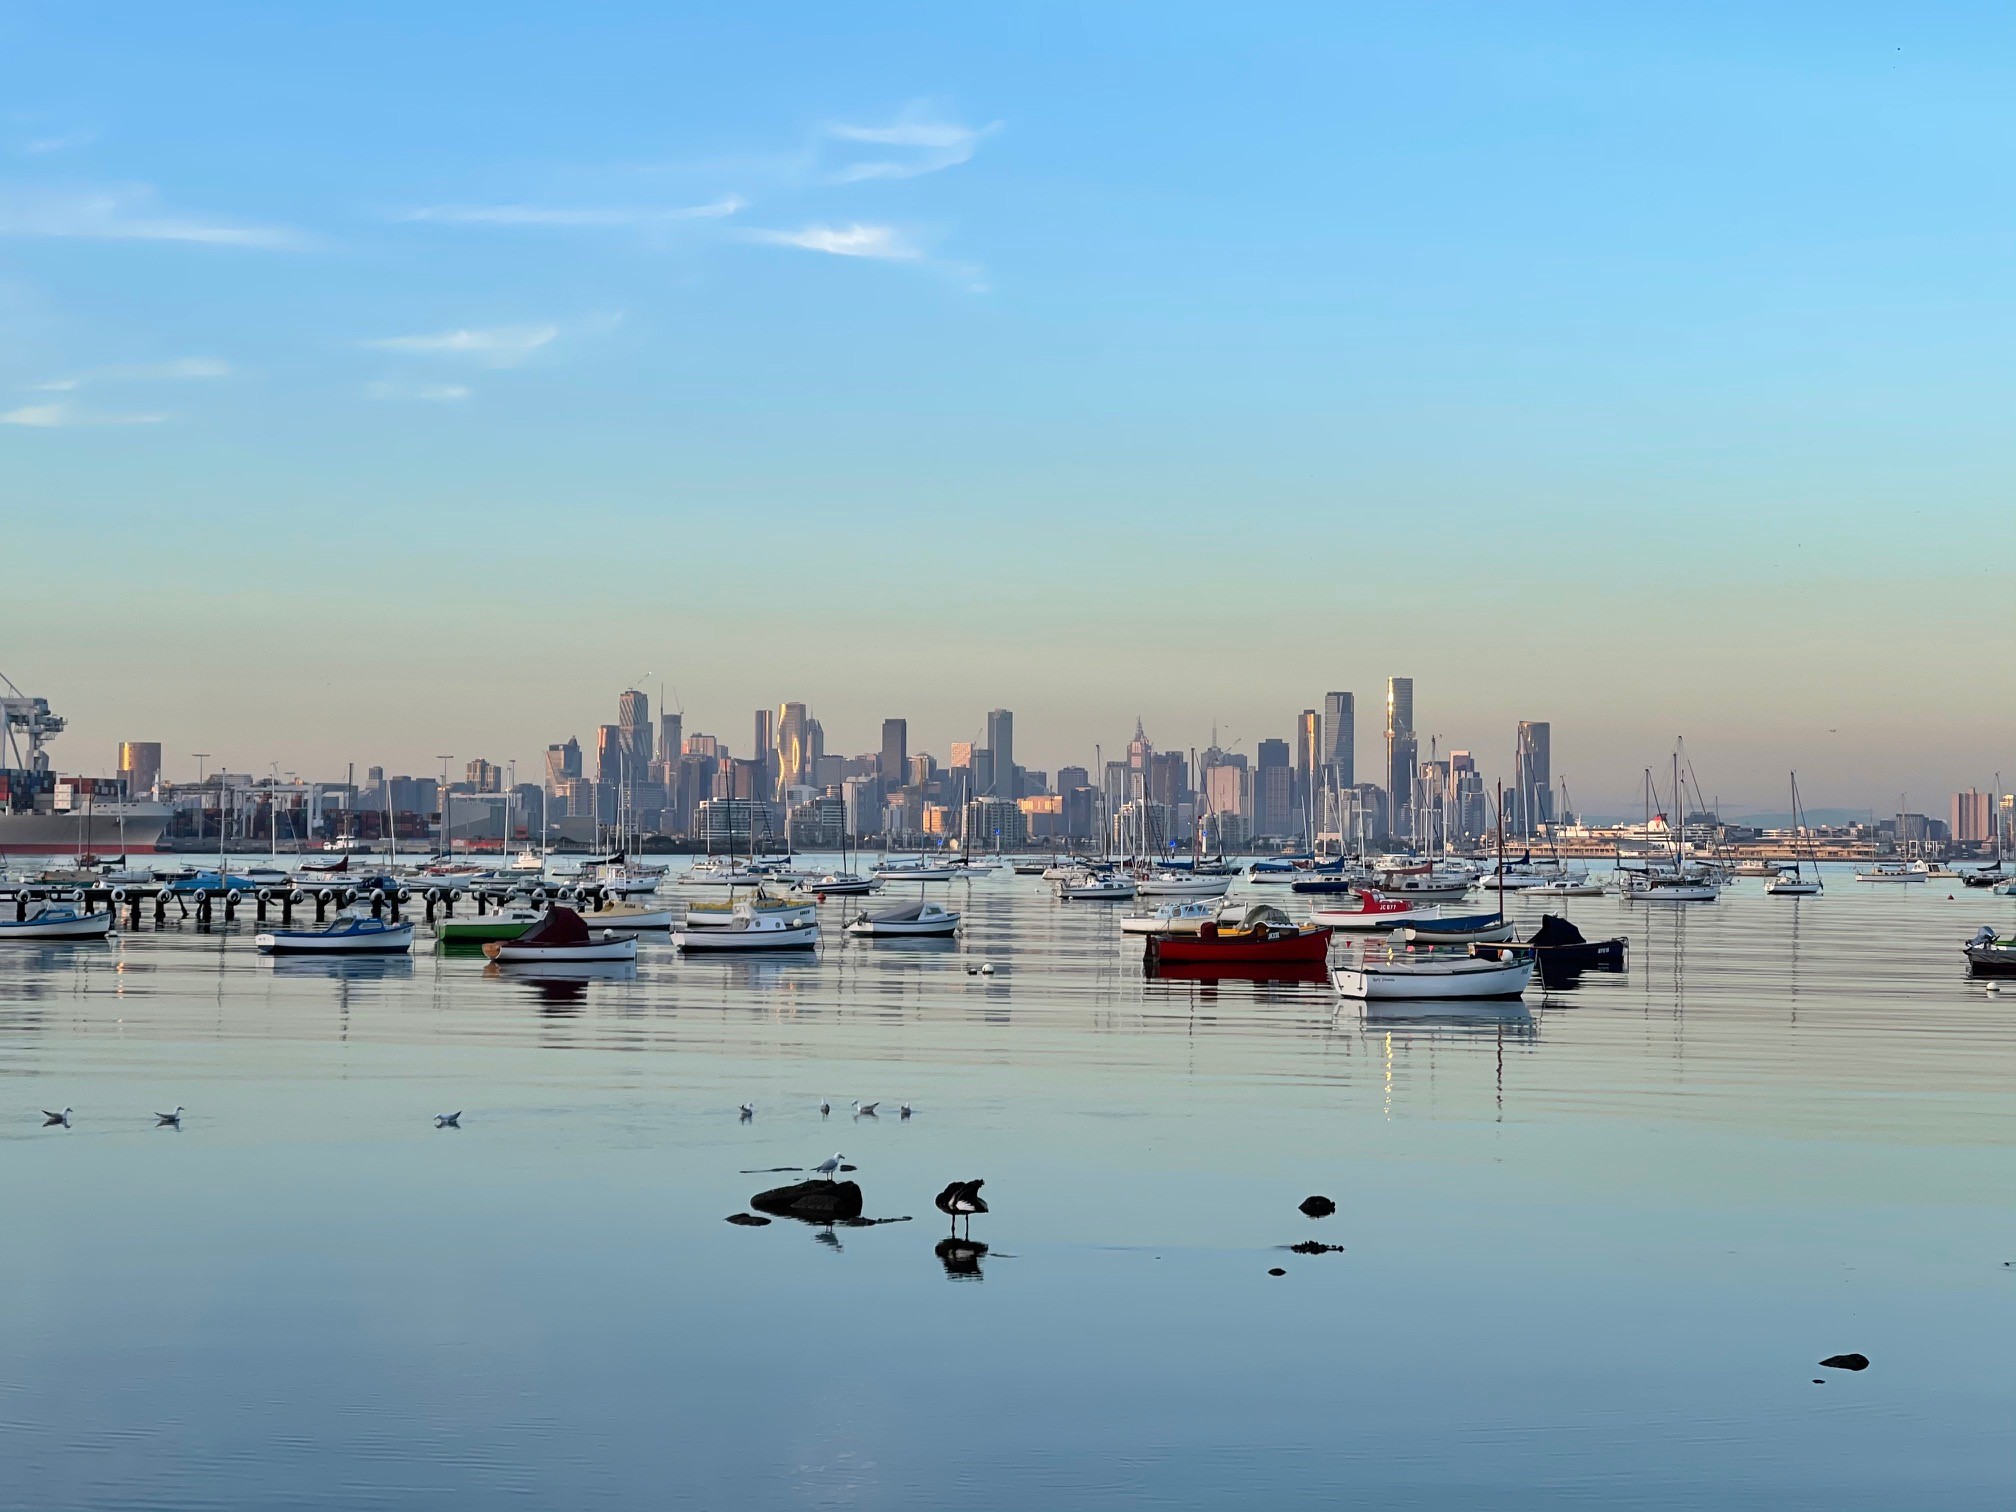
x=1646, y=369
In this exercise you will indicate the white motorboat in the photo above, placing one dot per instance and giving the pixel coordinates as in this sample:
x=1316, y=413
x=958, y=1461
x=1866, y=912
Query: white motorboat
x=917, y=921
x=620, y=915
x=58, y=921
x=1434, y=977
x=1573, y=885
x=527, y=861
x=1182, y=884
x=1895, y=871
x=626, y=881
x=1181, y=918
x=917, y=871
x=347, y=934
x=749, y=930
x=1089, y=887
x=562, y=937
x=841, y=885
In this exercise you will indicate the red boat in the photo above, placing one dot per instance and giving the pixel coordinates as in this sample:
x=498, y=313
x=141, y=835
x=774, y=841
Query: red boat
x=1263, y=936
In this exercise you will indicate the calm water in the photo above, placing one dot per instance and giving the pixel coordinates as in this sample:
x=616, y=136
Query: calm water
x=1594, y=1251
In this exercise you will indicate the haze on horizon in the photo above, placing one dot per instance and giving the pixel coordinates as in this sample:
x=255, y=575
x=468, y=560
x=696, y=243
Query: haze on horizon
x=378, y=385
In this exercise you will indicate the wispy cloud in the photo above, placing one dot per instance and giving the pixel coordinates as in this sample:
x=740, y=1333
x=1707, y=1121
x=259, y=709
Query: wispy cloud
x=60, y=415
x=561, y=217
x=493, y=346
x=855, y=240
x=66, y=142
x=425, y=393
x=128, y=213
x=179, y=370
x=921, y=145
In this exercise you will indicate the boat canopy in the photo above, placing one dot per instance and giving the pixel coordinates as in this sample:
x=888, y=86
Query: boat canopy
x=561, y=926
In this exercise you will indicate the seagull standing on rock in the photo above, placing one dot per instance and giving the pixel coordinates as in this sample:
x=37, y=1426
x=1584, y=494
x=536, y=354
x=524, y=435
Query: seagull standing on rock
x=826, y=1168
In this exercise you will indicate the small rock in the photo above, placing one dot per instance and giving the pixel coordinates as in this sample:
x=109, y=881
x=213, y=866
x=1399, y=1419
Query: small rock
x=1845, y=1362
x=1318, y=1207
x=748, y=1220
x=821, y=1201
x=1277, y=1271
x=1818, y=1382
x=1311, y=1247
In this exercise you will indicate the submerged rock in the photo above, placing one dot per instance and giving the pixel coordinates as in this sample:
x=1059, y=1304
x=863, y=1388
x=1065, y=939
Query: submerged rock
x=820, y=1201
x=1845, y=1362
x=1318, y=1207
x=748, y=1220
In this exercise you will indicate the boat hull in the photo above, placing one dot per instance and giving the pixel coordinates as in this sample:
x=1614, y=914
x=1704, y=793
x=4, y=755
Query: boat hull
x=510, y=952
x=90, y=926
x=1183, y=887
x=396, y=940
x=794, y=937
x=1463, y=980
x=1309, y=946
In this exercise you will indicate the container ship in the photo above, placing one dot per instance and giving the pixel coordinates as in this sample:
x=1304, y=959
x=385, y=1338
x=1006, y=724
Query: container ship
x=45, y=814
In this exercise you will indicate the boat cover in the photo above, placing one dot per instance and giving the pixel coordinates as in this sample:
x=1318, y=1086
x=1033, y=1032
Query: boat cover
x=1555, y=930
x=561, y=926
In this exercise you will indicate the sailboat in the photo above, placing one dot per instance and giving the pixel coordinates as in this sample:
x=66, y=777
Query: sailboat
x=1795, y=883
x=1679, y=885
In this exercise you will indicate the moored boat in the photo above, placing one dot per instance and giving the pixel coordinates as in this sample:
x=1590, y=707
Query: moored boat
x=562, y=937
x=1425, y=977
x=1895, y=871
x=1374, y=914
x=58, y=921
x=1182, y=884
x=1261, y=935
x=347, y=934
x=1095, y=887
x=919, y=920
x=506, y=923
x=749, y=930
x=631, y=916
x=1184, y=917
x=1989, y=954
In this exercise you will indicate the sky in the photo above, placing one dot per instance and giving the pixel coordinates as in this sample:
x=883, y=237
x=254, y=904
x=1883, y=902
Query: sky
x=381, y=381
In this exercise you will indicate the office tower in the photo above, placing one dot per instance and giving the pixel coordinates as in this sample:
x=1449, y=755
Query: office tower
x=698, y=744
x=982, y=766
x=671, y=737
x=1971, y=818
x=1340, y=734
x=608, y=753
x=1072, y=777
x=483, y=776
x=140, y=765
x=794, y=747
x=1001, y=741
x=633, y=717
x=1401, y=750
x=962, y=753
x=1308, y=757
x=764, y=751
x=1533, y=790
x=895, y=752
x=923, y=767
x=1169, y=778
x=1139, y=750
x=563, y=762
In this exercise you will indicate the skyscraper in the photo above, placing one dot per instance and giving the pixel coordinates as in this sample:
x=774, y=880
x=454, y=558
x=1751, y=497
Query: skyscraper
x=563, y=762
x=895, y=752
x=1401, y=751
x=1972, y=817
x=608, y=753
x=671, y=736
x=1001, y=741
x=140, y=765
x=1308, y=760
x=794, y=747
x=633, y=718
x=1340, y=735
x=1533, y=791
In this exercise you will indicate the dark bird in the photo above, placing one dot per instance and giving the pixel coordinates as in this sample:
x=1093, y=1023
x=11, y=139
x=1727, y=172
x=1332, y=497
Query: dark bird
x=49, y=1118
x=448, y=1120
x=961, y=1199
x=169, y=1120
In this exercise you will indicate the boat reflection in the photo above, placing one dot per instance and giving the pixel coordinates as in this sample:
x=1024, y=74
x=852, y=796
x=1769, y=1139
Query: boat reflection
x=558, y=984
x=1485, y=1015
x=341, y=968
x=1287, y=971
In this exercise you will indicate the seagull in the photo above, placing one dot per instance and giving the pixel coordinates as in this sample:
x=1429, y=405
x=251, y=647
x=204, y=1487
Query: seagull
x=49, y=1118
x=748, y=1111
x=865, y=1110
x=169, y=1120
x=906, y=1110
x=827, y=1167
x=961, y=1199
x=825, y=1107
x=448, y=1120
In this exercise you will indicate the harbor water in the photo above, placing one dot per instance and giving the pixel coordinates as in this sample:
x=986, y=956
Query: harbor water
x=1593, y=1247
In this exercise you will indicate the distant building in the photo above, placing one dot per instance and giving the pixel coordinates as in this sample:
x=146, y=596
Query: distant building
x=1308, y=758
x=563, y=762
x=1973, y=818
x=671, y=742
x=819, y=824
x=962, y=753
x=794, y=747
x=1533, y=786
x=993, y=824
x=1072, y=777
x=1402, y=749
x=1340, y=734
x=1001, y=741
x=633, y=720
x=609, y=754
x=1043, y=816
x=895, y=752
x=140, y=765
x=703, y=745
x=484, y=776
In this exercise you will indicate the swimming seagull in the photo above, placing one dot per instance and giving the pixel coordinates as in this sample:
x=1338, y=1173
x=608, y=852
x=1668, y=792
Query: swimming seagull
x=446, y=1120
x=825, y=1107
x=865, y=1110
x=748, y=1111
x=906, y=1110
x=826, y=1168
x=49, y=1118
x=169, y=1120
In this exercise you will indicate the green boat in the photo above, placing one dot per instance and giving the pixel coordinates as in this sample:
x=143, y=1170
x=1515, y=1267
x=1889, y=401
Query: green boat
x=500, y=924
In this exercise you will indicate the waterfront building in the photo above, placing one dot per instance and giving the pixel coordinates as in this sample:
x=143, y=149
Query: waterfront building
x=993, y=824
x=1143, y=828
x=1043, y=816
x=732, y=824
x=819, y=824
x=861, y=800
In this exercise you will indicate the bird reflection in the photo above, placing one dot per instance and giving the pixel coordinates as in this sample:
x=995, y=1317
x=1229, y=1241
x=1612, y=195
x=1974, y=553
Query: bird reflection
x=961, y=1258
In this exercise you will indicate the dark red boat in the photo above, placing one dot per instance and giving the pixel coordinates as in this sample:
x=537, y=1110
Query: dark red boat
x=1265, y=936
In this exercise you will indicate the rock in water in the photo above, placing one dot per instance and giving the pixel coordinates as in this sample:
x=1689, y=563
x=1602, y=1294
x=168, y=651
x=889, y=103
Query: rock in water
x=1845, y=1362
x=748, y=1220
x=1311, y=1247
x=1277, y=1271
x=820, y=1201
x=1318, y=1207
